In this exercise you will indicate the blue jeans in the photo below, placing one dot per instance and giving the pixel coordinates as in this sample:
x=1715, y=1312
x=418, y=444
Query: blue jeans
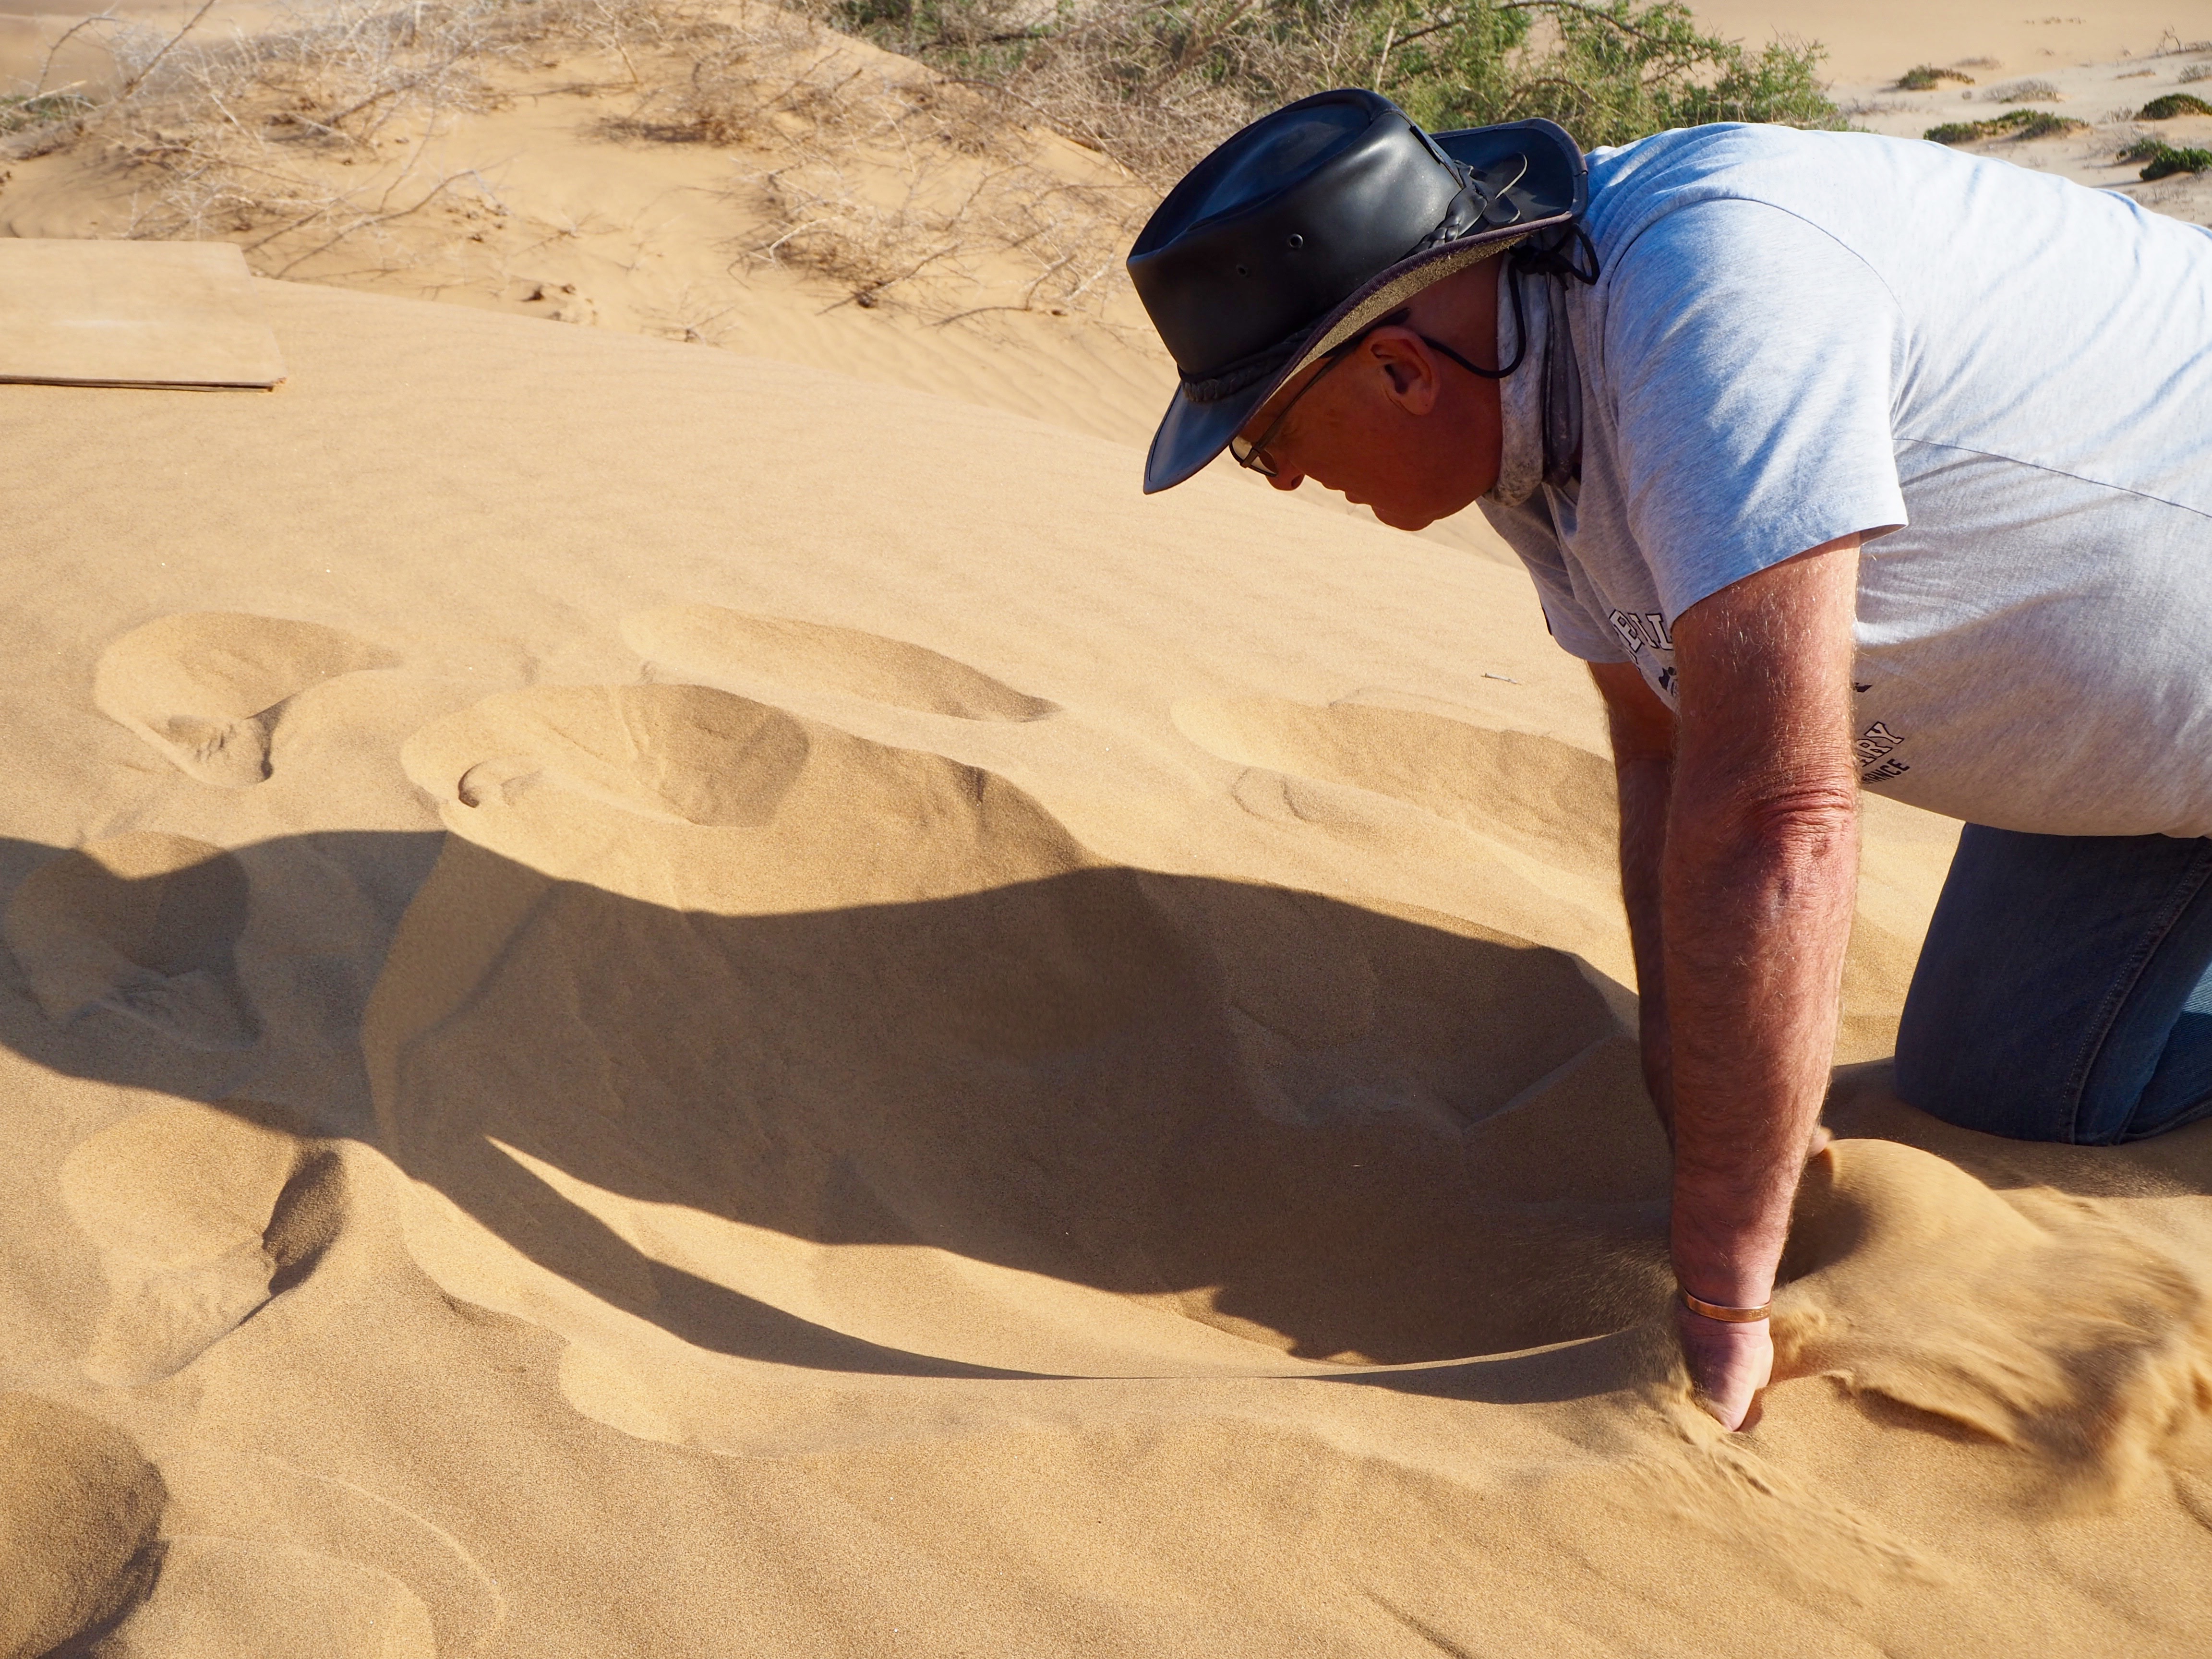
x=2063, y=992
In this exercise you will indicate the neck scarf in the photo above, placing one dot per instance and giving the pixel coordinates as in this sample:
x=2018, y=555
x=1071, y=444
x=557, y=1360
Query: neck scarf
x=1540, y=403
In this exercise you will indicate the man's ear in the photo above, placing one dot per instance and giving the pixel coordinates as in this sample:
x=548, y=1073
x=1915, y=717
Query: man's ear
x=1409, y=369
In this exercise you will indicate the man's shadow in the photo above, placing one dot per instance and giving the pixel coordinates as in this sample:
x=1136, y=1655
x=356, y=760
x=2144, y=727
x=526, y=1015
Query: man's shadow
x=1391, y=1136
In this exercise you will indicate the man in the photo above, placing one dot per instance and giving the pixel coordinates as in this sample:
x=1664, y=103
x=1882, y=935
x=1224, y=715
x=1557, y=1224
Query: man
x=1845, y=462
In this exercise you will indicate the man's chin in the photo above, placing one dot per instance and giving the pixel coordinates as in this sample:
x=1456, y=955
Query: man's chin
x=1405, y=521
x=1414, y=516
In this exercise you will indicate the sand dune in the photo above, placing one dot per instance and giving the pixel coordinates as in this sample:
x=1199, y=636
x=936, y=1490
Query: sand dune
x=626, y=1033
x=1876, y=40
x=2096, y=74
x=563, y=194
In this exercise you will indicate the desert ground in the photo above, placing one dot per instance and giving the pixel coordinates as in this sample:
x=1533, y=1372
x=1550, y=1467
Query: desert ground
x=677, y=982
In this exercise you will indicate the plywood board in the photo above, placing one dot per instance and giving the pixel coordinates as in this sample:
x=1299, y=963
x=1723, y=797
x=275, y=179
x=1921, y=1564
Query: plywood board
x=132, y=314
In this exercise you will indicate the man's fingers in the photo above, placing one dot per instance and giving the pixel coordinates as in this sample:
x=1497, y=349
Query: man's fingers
x=1729, y=1364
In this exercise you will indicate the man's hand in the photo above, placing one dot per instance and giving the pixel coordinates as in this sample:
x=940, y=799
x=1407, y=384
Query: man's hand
x=1730, y=1363
x=1740, y=899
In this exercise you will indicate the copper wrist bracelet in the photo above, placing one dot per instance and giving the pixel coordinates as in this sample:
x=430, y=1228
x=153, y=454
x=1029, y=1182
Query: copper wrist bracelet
x=1725, y=1314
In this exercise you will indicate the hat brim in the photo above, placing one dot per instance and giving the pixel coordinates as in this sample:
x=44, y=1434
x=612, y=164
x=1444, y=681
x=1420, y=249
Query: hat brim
x=1191, y=433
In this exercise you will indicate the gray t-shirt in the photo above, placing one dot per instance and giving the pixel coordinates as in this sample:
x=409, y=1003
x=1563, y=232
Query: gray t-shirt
x=2003, y=377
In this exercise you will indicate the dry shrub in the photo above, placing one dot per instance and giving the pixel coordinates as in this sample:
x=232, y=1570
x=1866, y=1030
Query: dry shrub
x=881, y=176
x=899, y=187
x=888, y=179
x=955, y=235
x=236, y=138
x=2023, y=92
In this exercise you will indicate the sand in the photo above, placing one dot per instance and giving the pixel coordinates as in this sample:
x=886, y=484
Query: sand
x=627, y=1033
x=148, y=315
x=1875, y=39
x=663, y=1002
x=2097, y=72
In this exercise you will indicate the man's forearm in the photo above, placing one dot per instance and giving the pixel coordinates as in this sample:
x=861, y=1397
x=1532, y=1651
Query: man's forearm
x=1756, y=906
x=1756, y=892
x=1642, y=731
x=1644, y=782
x=1740, y=934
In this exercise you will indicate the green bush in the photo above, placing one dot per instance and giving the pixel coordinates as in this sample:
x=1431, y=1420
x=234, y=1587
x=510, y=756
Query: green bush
x=2174, y=104
x=2163, y=160
x=1156, y=83
x=2012, y=123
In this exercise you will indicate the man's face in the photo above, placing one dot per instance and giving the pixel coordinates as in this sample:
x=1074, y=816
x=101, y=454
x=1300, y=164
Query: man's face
x=1394, y=425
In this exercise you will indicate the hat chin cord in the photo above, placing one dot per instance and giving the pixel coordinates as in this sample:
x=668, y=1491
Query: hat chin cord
x=1557, y=259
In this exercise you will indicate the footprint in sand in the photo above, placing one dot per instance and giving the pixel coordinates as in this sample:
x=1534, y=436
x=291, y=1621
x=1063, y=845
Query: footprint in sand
x=200, y=1215
x=677, y=754
x=257, y=1545
x=207, y=688
x=719, y=646
x=79, y=1507
x=642, y=785
x=220, y=1599
x=143, y=925
x=1537, y=795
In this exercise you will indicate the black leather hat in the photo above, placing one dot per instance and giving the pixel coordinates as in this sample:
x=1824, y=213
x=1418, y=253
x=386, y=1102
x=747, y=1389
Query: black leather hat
x=1308, y=225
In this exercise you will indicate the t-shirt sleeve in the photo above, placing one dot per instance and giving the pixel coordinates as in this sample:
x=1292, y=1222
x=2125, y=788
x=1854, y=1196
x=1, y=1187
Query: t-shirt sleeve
x=1568, y=612
x=1752, y=356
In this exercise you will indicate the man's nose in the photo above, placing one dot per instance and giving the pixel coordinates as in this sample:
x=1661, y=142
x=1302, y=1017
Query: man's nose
x=1288, y=479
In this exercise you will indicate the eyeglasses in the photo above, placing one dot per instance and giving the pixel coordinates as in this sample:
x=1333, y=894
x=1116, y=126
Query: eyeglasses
x=1254, y=455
